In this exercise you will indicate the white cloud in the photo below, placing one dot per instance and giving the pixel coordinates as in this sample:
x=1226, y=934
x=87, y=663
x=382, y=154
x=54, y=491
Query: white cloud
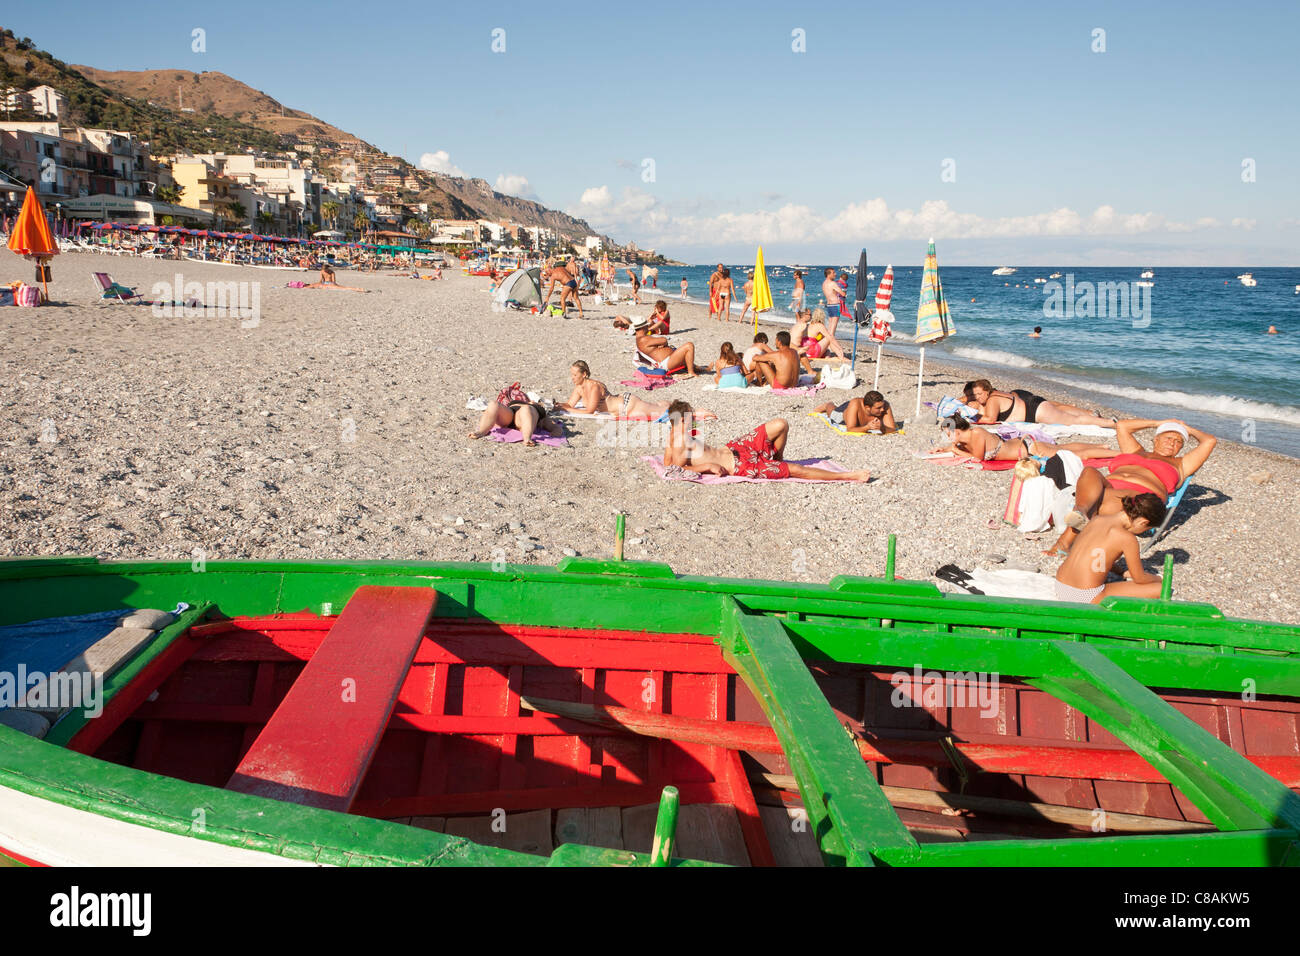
x=597, y=197
x=440, y=162
x=512, y=184
x=1247, y=224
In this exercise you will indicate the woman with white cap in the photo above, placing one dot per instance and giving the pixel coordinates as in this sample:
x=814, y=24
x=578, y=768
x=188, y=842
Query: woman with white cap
x=1136, y=471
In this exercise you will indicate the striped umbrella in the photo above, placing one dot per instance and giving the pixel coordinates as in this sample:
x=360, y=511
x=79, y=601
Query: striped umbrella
x=932, y=320
x=882, y=320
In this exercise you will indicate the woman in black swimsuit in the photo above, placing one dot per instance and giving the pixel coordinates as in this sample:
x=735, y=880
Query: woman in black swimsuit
x=1019, y=405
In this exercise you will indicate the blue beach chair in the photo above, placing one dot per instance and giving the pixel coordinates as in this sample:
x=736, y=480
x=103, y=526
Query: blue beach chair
x=1170, y=507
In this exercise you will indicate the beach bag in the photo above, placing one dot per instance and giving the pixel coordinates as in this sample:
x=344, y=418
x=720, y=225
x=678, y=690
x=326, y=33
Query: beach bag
x=838, y=376
x=512, y=394
x=27, y=295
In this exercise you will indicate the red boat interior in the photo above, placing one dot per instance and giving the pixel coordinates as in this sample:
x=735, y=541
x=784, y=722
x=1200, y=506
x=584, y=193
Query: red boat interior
x=527, y=737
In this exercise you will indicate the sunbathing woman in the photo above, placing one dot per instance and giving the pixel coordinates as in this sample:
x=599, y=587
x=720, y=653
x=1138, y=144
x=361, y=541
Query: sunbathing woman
x=525, y=416
x=1136, y=471
x=597, y=399
x=728, y=372
x=985, y=446
x=1021, y=406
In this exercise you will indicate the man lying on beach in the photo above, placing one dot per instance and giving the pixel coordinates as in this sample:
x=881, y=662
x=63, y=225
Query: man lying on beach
x=661, y=354
x=812, y=337
x=870, y=413
x=780, y=368
x=760, y=454
x=1082, y=575
x=595, y=398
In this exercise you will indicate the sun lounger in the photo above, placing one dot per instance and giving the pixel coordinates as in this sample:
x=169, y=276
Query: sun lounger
x=110, y=290
x=1170, y=507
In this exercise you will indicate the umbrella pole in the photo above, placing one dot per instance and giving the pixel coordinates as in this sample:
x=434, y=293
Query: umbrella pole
x=919, y=372
x=854, y=364
x=876, y=385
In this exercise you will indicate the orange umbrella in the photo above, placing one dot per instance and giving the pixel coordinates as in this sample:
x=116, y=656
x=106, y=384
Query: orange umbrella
x=31, y=236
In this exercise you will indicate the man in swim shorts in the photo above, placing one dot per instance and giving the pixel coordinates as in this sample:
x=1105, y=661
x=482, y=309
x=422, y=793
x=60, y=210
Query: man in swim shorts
x=758, y=454
x=780, y=368
x=656, y=350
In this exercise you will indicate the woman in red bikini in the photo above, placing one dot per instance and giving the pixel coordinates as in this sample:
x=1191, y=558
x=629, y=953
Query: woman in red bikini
x=1136, y=471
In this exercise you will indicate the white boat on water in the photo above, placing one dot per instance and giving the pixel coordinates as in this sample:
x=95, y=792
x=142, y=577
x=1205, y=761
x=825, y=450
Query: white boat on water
x=1247, y=279
x=1054, y=275
x=872, y=275
x=1003, y=271
x=1148, y=275
x=1040, y=281
x=1145, y=284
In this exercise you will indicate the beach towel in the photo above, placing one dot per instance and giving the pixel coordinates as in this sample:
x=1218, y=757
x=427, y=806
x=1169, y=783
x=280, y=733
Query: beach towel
x=648, y=382
x=842, y=430
x=512, y=435
x=681, y=474
x=1001, y=582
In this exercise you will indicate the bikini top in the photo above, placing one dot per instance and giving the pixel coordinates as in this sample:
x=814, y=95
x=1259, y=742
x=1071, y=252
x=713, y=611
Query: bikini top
x=1003, y=415
x=1164, y=472
x=732, y=370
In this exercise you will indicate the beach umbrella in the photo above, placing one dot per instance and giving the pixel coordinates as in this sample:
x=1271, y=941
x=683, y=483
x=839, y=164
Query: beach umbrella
x=860, y=306
x=30, y=237
x=762, y=291
x=883, y=319
x=932, y=321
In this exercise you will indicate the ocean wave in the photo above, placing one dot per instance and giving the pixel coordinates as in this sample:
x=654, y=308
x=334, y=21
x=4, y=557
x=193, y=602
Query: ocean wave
x=1228, y=405
x=995, y=357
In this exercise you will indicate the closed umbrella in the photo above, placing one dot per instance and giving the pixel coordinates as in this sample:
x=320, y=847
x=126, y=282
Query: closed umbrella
x=30, y=237
x=762, y=301
x=932, y=321
x=883, y=319
x=860, y=305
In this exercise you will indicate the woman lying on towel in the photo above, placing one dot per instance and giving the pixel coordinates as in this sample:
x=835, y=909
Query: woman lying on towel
x=1082, y=578
x=760, y=454
x=596, y=398
x=514, y=409
x=1136, y=471
x=986, y=446
x=1019, y=405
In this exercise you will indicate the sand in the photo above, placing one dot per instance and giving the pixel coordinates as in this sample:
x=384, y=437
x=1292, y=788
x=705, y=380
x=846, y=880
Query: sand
x=336, y=429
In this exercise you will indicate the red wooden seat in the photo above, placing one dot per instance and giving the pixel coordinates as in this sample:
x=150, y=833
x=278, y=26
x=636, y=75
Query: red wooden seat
x=318, y=744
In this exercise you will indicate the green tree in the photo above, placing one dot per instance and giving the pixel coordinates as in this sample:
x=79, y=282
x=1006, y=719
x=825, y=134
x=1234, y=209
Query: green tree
x=330, y=210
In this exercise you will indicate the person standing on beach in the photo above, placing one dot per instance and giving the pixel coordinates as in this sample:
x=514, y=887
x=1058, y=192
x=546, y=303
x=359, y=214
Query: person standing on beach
x=713, y=290
x=748, y=289
x=726, y=291
x=684, y=285
x=796, y=300
x=834, y=299
x=636, y=286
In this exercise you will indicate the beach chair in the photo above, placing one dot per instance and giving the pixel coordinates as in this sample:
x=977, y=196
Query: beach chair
x=1170, y=507
x=108, y=289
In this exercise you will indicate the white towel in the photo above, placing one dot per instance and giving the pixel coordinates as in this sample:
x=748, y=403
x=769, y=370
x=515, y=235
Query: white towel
x=1009, y=582
x=477, y=404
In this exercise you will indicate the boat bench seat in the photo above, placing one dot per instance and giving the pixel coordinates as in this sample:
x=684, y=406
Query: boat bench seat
x=318, y=744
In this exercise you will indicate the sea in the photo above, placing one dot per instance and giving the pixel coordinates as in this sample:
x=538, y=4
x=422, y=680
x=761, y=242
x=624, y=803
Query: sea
x=1193, y=345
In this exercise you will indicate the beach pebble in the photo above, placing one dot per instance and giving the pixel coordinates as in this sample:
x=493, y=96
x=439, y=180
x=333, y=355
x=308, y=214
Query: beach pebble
x=569, y=552
x=995, y=558
x=1260, y=477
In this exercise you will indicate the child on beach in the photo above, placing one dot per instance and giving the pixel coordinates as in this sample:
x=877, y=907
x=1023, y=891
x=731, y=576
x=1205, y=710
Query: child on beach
x=728, y=371
x=1082, y=575
x=684, y=285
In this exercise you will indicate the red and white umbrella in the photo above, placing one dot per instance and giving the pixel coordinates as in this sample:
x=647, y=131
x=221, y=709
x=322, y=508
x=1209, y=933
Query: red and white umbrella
x=882, y=319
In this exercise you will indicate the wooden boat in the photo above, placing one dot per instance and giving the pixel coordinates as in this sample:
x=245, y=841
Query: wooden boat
x=614, y=713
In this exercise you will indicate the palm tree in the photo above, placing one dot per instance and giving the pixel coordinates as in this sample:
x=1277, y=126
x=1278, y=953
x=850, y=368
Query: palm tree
x=360, y=222
x=266, y=219
x=331, y=211
x=169, y=194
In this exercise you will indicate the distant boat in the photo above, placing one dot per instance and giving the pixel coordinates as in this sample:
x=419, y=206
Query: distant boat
x=1148, y=274
x=1003, y=271
x=1145, y=284
x=1054, y=275
x=1247, y=279
x=872, y=275
x=1042, y=281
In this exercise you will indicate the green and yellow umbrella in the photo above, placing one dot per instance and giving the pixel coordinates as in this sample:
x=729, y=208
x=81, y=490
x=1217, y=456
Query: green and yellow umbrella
x=932, y=320
x=762, y=291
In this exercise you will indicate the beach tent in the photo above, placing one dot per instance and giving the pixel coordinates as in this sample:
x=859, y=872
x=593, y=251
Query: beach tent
x=523, y=286
x=932, y=320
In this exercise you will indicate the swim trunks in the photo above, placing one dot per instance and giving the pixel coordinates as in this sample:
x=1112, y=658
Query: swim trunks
x=1067, y=592
x=571, y=284
x=756, y=456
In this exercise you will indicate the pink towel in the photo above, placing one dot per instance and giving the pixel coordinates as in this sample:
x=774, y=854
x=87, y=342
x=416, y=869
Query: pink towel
x=800, y=390
x=509, y=435
x=649, y=382
x=680, y=475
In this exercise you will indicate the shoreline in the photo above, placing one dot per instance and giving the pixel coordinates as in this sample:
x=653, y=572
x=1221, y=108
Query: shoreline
x=335, y=429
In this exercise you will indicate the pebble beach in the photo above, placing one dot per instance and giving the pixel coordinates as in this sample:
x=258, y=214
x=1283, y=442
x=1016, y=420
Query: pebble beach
x=335, y=428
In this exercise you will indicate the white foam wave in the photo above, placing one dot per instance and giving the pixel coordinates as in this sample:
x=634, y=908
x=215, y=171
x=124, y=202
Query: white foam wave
x=995, y=357
x=1228, y=405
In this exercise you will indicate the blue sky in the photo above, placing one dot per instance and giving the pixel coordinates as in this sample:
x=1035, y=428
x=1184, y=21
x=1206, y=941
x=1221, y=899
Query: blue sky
x=996, y=128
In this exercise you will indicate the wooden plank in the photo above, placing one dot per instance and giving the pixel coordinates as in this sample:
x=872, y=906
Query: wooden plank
x=790, y=836
x=705, y=831
x=742, y=798
x=1231, y=791
x=528, y=832
x=590, y=826
x=316, y=748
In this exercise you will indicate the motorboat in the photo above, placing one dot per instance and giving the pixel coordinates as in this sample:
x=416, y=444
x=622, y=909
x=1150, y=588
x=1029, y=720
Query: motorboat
x=1247, y=279
x=1003, y=271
